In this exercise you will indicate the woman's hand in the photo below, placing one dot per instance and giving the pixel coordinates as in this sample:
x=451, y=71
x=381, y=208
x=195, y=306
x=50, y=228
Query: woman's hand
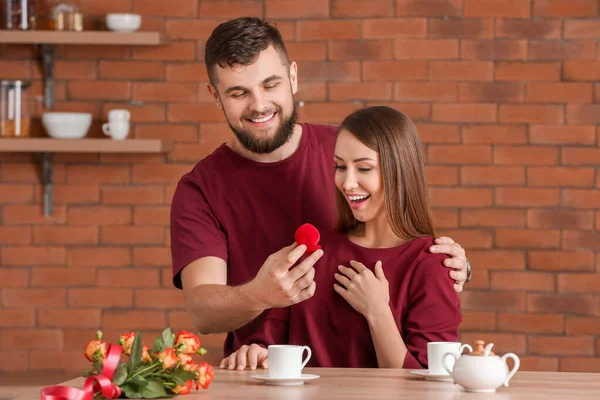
x=367, y=293
x=247, y=356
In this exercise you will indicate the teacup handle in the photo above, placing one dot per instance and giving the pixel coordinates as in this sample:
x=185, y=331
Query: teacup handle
x=445, y=357
x=106, y=129
x=307, y=356
x=515, y=367
x=465, y=346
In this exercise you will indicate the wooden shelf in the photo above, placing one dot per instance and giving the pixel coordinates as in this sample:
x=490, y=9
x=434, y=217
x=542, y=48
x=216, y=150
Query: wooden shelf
x=140, y=38
x=46, y=145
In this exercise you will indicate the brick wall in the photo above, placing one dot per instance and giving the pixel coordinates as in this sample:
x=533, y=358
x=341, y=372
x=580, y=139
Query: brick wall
x=506, y=96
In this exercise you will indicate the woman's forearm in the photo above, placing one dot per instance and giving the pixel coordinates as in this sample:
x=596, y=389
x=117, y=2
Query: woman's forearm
x=389, y=346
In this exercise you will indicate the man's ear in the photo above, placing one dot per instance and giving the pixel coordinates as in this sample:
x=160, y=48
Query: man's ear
x=294, y=77
x=215, y=96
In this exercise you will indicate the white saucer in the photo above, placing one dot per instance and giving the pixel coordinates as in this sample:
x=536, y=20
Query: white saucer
x=432, y=377
x=284, y=381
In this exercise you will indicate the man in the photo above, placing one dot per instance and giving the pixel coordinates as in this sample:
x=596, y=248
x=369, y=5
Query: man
x=234, y=215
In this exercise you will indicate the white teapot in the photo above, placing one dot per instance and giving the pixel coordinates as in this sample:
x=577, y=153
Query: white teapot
x=481, y=371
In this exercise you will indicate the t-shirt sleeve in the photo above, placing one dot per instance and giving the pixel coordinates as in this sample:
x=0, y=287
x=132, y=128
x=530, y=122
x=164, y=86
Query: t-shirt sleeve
x=195, y=230
x=434, y=310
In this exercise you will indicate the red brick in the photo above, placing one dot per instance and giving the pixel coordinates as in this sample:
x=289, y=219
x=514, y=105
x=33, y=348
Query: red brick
x=492, y=218
x=362, y=8
x=444, y=218
x=151, y=256
x=170, y=299
x=465, y=112
x=426, y=49
x=449, y=154
x=165, y=92
x=316, y=71
x=362, y=50
x=561, y=260
x=159, y=8
x=16, y=69
x=65, y=235
x=469, y=238
x=531, y=113
x=99, y=215
x=583, y=113
x=492, y=176
x=296, y=9
x=523, y=281
x=493, y=301
x=98, y=257
x=418, y=112
x=426, y=91
x=62, y=360
x=442, y=176
x=138, y=319
x=14, y=277
x=497, y=259
x=17, y=317
x=152, y=216
x=32, y=215
x=561, y=134
x=159, y=174
x=446, y=197
x=389, y=28
x=581, y=70
x=538, y=92
x=139, y=112
x=201, y=112
x=527, y=197
x=94, y=174
x=580, y=364
x=561, y=304
x=175, y=132
x=580, y=198
x=104, y=297
x=581, y=240
x=176, y=51
x=34, y=297
x=328, y=30
x=497, y=8
x=327, y=113
x=503, y=342
x=493, y=92
x=461, y=70
x=99, y=90
x=429, y=8
x=493, y=49
x=31, y=338
x=134, y=195
x=62, y=276
x=97, y=52
x=527, y=28
x=312, y=91
x=478, y=321
x=578, y=283
x=306, y=51
x=181, y=320
x=525, y=155
x=394, y=70
x=131, y=70
x=15, y=235
x=128, y=278
x=531, y=323
x=32, y=255
x=360, y=91
x=565, y=8
x=579, y=156
x=28, y=173
x=494, y=134
x=462, y=28
x=539, y=364
x=560, y=176
x=582, y=326
x=229, y=8
x=438, y=133
x=187, y=72
x=561, y=219
x=561, y=346
x=70, y=318
x=531, y=71
x=104, y=7
x=527, y=238
x=131, y=235
x=582, y=28
x=15, y=193
x=560, y=50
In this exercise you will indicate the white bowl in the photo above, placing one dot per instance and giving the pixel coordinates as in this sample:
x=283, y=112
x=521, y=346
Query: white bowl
x=123, y=22
x=66, y=125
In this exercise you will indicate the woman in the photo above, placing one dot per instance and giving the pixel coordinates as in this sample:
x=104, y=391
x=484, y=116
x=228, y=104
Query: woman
x=381, y=311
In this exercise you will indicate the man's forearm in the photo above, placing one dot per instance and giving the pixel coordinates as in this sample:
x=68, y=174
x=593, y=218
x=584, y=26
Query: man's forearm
x=221, y=308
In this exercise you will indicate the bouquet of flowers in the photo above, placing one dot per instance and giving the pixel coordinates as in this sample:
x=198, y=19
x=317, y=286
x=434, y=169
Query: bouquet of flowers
x=165, y=370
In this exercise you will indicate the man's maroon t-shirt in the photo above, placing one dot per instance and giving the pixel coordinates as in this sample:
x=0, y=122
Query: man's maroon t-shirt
x=423, y=301
x=242, y=211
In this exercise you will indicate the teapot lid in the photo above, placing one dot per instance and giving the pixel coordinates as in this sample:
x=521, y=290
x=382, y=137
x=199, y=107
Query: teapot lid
x=480, y=350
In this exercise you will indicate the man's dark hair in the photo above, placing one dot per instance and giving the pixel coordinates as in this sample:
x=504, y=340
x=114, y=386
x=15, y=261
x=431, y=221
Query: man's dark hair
x=240, y=41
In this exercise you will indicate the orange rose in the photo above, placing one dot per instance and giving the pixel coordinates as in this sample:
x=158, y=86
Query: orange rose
x=184, y=358
x=205, y=375
x=167, y=357
x=146, y=355
x=187, y=342
x=183, y=389
x=191, y=367
x=95, y=350
x=126, y=341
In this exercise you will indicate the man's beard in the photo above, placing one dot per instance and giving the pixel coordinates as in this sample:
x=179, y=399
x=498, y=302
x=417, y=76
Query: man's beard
x=268, y=145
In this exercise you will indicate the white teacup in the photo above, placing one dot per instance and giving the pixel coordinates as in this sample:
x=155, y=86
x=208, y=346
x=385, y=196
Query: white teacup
x=435, y=351
x=119, y=115
x=118, y=130
x=285, y=361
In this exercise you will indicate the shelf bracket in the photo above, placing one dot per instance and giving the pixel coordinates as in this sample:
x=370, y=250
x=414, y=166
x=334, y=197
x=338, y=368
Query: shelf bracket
x=47, y=61
x=47, y=170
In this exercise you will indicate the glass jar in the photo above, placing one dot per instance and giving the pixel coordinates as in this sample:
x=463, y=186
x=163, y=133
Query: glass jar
x=65, y=15
x=15, y=120
x=19, y=14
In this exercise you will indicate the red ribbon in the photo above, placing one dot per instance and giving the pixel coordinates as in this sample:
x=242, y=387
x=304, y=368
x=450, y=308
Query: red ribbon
x=92, y=384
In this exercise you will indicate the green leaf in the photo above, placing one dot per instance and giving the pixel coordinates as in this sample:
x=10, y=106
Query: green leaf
x=159, y=345
x=139, y=381
x=135, y=358
x=153, y=390
x=120, y=374
x=98, y=366
x=183, y=375
x=131, y=391
x=167, y=338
